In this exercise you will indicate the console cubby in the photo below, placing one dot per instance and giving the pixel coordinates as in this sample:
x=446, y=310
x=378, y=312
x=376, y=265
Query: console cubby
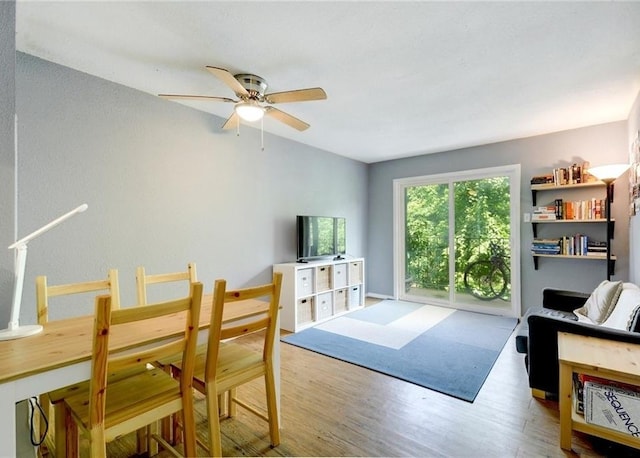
x=317, y=291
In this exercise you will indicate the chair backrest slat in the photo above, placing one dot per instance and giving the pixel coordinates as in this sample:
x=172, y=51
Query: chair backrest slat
x=244, y=329
x=44, y=291
x=143, y=280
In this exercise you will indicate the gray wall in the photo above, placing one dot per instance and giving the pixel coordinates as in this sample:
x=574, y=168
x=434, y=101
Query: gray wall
x=7, y=153
x=164, y=186
x=537, y=155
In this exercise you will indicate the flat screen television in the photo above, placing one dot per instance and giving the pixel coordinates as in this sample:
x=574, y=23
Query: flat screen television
x=320, y=237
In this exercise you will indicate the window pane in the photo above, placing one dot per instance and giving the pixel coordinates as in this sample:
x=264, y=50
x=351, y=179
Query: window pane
x=482, y=235
x=427, y=240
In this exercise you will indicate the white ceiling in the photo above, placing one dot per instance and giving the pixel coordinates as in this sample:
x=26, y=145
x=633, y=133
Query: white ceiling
x=402, y=78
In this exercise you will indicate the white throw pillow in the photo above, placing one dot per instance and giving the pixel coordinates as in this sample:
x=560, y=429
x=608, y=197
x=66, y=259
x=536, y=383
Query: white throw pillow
x=602, y=301
x=625, y=308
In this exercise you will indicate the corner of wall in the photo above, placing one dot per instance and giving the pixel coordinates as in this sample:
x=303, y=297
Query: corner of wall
x=633, y=129
x=7, y=152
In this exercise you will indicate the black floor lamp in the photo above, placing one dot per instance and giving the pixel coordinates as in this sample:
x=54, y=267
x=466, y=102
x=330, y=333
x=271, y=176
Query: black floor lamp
x=608, y=174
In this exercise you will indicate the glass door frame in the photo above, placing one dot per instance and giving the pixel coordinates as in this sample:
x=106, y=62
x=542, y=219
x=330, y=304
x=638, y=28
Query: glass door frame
x=512, y=172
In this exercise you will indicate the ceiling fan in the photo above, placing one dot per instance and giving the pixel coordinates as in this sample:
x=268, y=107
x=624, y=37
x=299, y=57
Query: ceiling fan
x=250, y=106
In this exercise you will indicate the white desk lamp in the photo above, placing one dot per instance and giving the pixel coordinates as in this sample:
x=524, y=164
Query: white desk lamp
x=14, y=330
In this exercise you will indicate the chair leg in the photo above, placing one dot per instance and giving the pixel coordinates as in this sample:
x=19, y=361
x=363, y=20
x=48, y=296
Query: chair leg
x=152, y=445
x=272, y=408
x=223, y=406
x=47, y=408
x=536, y=393
x=213, y=416
x=231, y=406
x=70, y=435
x=176, y=428
x=188, y=423
x=167, y=429
x=60, y=429
x=98, y=443
x=141, y=441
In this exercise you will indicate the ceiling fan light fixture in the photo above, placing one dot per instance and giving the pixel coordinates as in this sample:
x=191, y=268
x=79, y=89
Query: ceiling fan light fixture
x=249, y=111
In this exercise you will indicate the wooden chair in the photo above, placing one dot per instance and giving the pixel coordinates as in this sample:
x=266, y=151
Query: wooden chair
x=56, y=437
x=230, y=364
x=143, y=280
x=114, y=408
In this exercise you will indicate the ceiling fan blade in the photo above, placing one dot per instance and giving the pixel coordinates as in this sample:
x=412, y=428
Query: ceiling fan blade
x=232, y=122
x=299, y=95
x=195, y=97
x=229, y=80
x=286, y=118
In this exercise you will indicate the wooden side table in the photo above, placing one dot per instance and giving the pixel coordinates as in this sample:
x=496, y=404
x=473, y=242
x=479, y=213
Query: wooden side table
x=603, y=358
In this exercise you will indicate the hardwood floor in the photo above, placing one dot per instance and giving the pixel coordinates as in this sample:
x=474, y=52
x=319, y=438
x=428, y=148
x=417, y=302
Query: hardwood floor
x=332, y=408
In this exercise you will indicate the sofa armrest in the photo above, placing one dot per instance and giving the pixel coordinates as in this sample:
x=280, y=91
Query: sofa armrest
x=566, y=301
x=542, y=355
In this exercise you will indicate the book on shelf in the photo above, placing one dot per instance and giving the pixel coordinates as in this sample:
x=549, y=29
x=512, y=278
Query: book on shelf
x=578, y=393
x=580, y=380
x=543, y=216
x=558, y=205
x=612, y=406
x=544, y=213
x=596, y=248
x=542, y=179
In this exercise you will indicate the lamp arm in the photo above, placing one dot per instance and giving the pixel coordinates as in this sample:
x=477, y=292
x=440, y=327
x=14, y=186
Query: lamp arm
x=46, y=227
x=19, y=267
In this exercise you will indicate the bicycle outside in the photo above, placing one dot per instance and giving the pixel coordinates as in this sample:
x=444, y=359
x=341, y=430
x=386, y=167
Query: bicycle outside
x=488, y=279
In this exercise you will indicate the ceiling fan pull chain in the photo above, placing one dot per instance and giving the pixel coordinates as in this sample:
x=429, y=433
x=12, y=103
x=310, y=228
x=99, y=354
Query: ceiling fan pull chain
x=238, y=127
x=262, y=132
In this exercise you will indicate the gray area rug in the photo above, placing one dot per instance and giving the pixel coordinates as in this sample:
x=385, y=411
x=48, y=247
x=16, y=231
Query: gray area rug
x=446, y=350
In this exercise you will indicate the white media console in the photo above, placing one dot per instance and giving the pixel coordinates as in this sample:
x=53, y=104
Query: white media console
x=316, y=291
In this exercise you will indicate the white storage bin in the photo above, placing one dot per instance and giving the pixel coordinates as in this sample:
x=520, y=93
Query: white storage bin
x=355, y=297
x=323, y=278
x=304, y=310
x=355, y=272
x=340, y=301
x=340, y=275
x=305, y=282
x=325, y=305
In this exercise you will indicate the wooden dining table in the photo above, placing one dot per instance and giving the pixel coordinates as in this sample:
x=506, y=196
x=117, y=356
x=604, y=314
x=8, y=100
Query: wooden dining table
x=61, y=355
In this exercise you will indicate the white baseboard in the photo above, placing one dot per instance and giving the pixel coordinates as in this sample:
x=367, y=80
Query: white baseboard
x=379, y=296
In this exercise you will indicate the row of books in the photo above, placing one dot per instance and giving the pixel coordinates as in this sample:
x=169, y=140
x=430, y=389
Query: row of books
x=580, y=209
x=574, y=174
x=573, y=245
x=571, y=210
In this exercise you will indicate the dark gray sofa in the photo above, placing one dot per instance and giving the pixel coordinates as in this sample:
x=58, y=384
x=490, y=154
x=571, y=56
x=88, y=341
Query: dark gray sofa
x=537, y=336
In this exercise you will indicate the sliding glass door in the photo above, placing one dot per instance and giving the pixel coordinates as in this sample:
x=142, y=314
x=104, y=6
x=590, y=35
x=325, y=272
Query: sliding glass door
x=455, y=239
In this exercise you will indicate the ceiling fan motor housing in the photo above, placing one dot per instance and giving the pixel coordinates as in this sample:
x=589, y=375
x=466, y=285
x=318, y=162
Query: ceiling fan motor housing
x=255, y=85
